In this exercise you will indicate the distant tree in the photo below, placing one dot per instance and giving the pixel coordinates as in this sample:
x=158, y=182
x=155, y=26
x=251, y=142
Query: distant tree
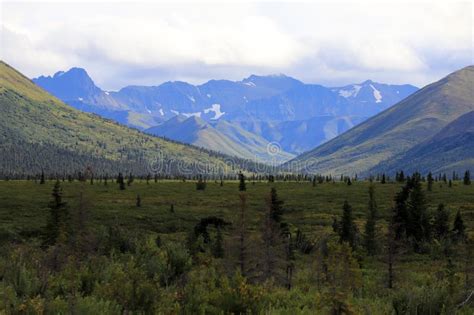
x=441, y=222
x=430, y=181
x=42, y=181
x=201, y=184
x=57, y=223
x=418, y=225
x=156, y=178
x=120, y=181
x=172, y=208
x=349, y=182
x=276, y=206
x=271, y=178
x=148, y=177
x=242, y=186
x=459, y=229
x=273, y=254
x=383, y=180
x=467, y=178
x=106, y=177
x=92, y=179
x=370, y=225
x=450, y=183
x=139, y=201
x=346, y=228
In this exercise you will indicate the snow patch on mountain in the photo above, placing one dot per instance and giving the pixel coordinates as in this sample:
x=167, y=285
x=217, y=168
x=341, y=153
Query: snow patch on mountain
x=187, y=115
x=161, y=112
x=80, y=98
x=192, y=99
x=216, y=108
x=350, y=93
x=377, y=94
x=250, y=84
x=209, y=95
x=107, y=93
x=175, y=112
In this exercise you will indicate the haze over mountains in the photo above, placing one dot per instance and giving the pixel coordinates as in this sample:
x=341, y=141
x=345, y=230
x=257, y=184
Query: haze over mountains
x=430, y=130
x=238, y=118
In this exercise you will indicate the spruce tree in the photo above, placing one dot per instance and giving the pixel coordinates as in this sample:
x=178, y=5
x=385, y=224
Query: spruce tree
x=384, y=180
x=120, y=181
x=430, y=181
x=459, y=229
x=467, y=178
x=441, y=222
x=42, y=181
x=57, y=224
x=276, y=206
x=347, y=229
x=139, y=201
x=370, y=237
x=242, y=186
x=418, y=224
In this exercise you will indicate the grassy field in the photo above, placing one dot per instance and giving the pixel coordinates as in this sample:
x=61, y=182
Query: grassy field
x=23, y=204
x=24, y=211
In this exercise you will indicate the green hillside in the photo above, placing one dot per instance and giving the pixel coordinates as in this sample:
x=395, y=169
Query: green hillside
x=37, y=131
x=220, y=136
x=451, y=149
x=394, y=131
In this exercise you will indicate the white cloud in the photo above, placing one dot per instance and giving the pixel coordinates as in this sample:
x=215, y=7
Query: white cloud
x=327, y=43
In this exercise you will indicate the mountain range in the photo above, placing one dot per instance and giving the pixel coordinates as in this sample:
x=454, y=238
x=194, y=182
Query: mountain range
x=240, y=117
x=431, y=130
x=38, y=132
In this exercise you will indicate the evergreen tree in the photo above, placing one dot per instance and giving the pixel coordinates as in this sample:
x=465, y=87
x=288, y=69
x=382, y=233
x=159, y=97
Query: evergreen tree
x=441, y=222
x=467, y=178
x=384, y=180
x=139, y=201
x=349, y=182
x=242, y=186
x=120, y=181
x=459, y=229
x=347, y=227
x=42, y=181
x=57, y=224
x=418, y=225
x=200, y=185
x=370, y=237
x=276, y=206
x=273, y=263
x=430, y=181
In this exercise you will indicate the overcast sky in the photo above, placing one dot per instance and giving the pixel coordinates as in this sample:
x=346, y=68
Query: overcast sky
x=335, y=44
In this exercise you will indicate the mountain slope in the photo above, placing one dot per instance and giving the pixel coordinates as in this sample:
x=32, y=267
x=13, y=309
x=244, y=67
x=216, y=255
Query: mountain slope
x=221, y=136
x=394, y=131
x=451, y=149
x=34, y=121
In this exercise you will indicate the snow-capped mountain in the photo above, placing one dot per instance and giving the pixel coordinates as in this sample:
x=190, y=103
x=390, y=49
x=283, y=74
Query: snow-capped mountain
x=296, y=114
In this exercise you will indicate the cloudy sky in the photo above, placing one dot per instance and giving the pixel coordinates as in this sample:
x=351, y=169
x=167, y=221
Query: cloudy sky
x=333, y=44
